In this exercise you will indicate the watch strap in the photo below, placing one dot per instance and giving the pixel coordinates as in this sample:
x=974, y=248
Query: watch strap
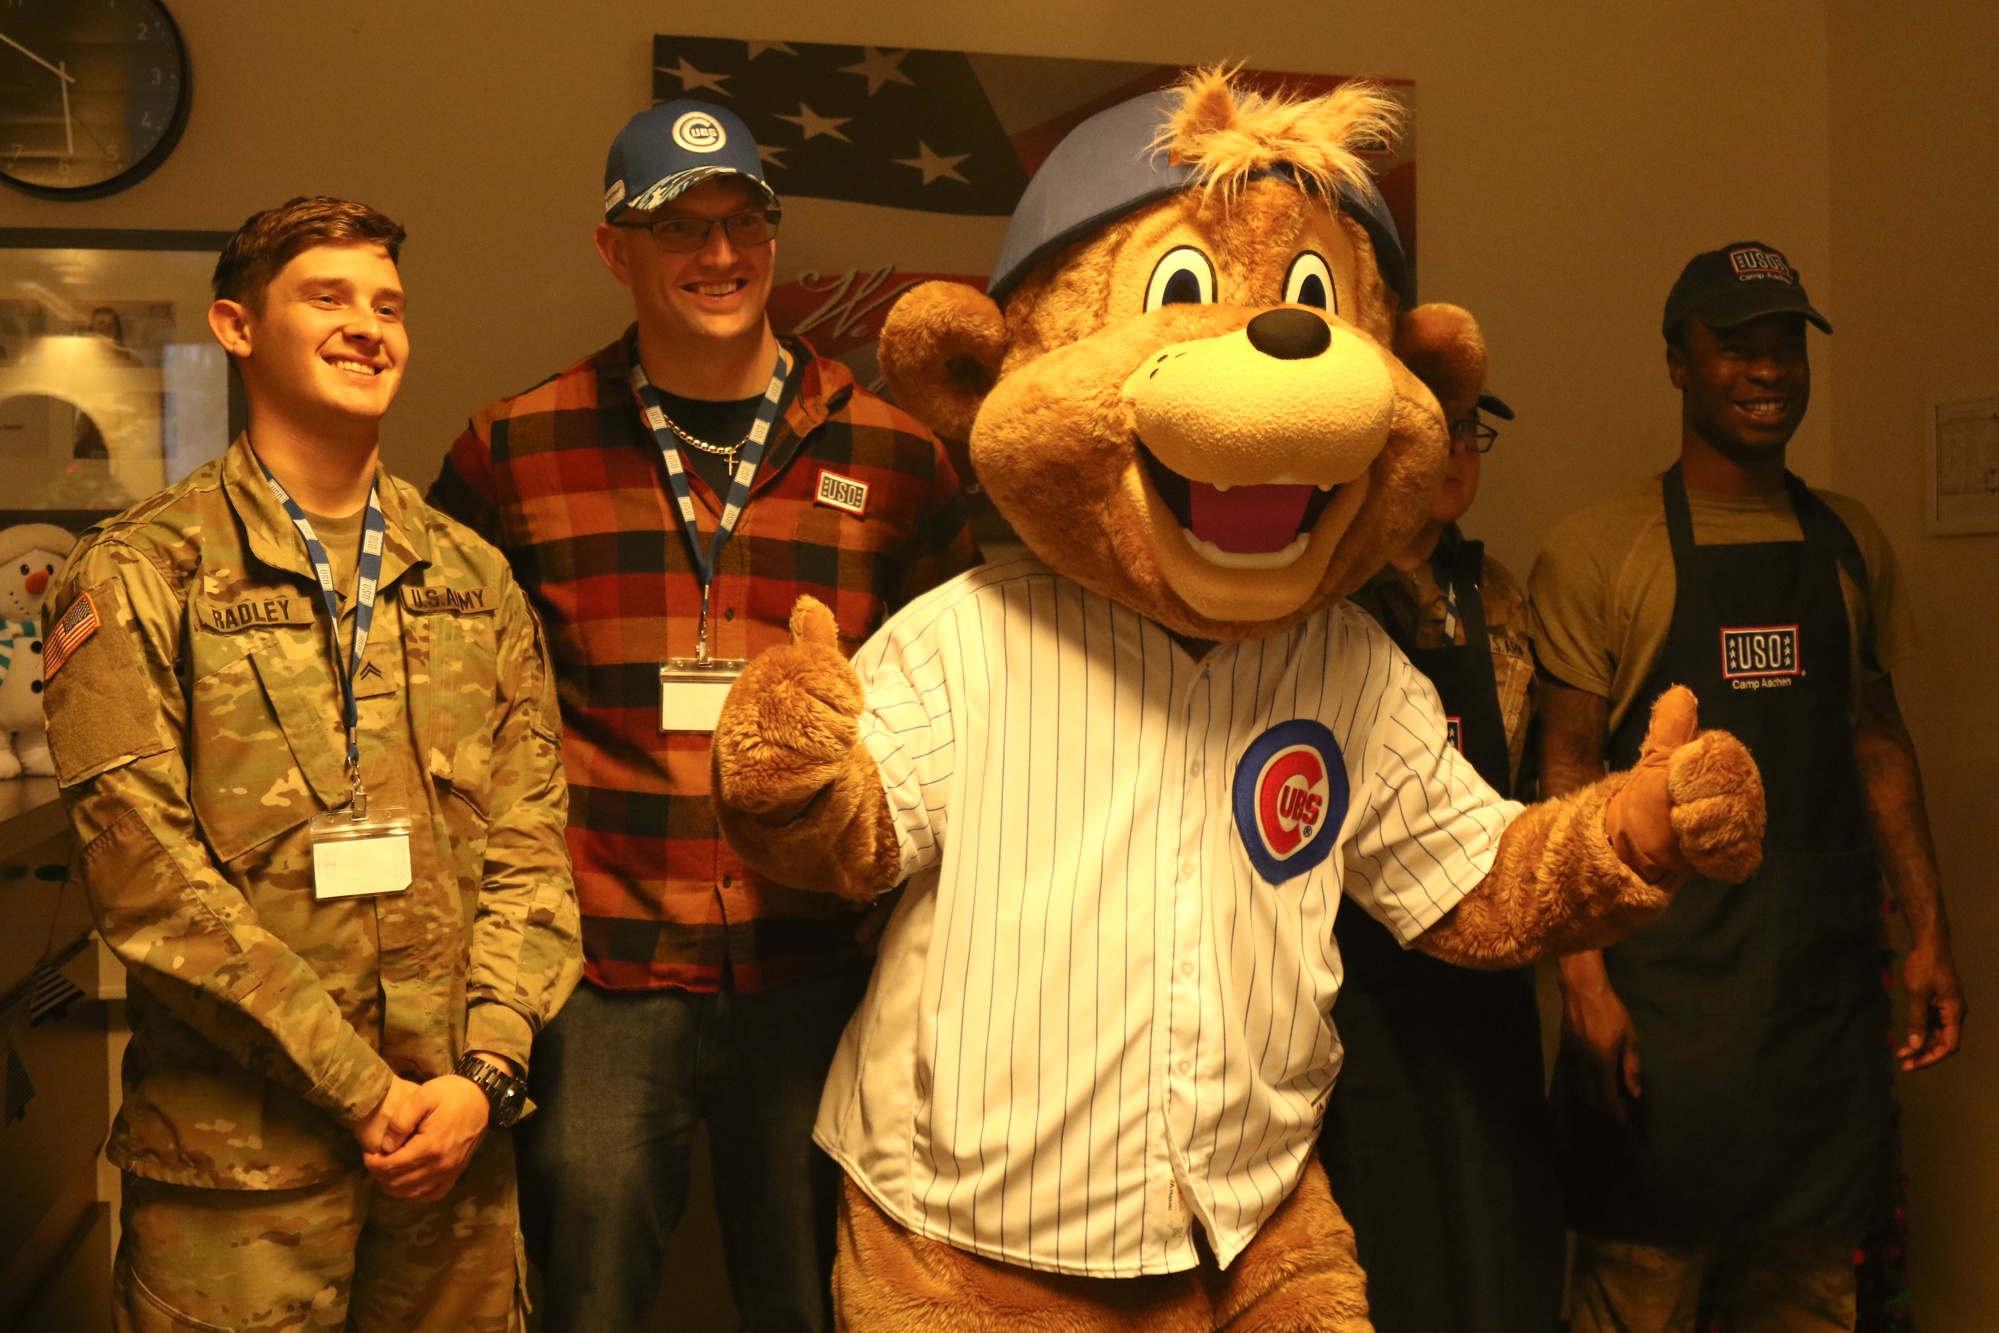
x=505, y=1094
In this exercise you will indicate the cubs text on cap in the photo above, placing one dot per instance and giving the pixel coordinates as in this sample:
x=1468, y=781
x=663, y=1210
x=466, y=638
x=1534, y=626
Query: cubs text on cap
x=666, y=150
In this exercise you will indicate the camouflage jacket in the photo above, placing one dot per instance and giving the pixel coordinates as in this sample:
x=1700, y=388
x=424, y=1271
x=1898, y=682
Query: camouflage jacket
x=196, y=732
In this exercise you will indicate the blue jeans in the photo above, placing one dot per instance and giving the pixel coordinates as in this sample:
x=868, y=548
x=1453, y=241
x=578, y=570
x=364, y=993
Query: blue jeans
x=622, y=1078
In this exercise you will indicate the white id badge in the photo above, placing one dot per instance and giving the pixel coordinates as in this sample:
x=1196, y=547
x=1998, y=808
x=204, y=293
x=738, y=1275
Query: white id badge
x=360, y=858
x=691, y=693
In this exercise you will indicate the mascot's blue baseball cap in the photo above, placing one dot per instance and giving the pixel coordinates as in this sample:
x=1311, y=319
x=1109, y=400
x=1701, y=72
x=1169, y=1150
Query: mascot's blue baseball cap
x=666, y=150
x=1113, y=164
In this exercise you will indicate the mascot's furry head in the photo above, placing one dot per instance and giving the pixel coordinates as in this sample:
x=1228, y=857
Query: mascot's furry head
x=1207, y=395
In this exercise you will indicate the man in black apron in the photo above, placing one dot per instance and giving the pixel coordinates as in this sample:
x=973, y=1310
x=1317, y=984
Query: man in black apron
x=1725, y=1085
x=1437, y=1138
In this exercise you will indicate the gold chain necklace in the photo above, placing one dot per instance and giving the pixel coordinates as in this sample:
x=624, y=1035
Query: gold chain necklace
x=719, y=450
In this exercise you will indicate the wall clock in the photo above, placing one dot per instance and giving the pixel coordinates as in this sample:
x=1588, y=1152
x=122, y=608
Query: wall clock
x=93, y=94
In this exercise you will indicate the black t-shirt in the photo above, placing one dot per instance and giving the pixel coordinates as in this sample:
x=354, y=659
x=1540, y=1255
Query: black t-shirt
x=721, y=423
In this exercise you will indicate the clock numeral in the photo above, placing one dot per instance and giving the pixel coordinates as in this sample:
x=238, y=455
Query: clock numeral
x=156, y=76
x=145, y=29
x=15, y=156
x=146, y=120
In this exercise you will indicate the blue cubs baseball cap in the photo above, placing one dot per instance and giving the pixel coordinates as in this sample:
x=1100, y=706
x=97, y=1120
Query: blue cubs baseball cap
x=666, y=150
x=1113, y=164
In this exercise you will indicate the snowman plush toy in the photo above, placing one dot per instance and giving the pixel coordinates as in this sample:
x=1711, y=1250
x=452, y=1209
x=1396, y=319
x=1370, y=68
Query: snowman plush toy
x=30, y=554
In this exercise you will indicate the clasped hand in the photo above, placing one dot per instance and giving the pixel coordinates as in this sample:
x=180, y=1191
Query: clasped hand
x=420, y=1139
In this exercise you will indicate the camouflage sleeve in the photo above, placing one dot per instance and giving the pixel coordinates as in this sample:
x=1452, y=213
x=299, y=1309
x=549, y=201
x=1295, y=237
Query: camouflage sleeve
x=941, y=546
x=526, y=938
x=118, y=724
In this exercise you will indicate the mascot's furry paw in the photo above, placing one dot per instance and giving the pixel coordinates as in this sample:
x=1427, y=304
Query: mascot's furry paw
x=1694, y=801
x=788, y=727
x=796, y=794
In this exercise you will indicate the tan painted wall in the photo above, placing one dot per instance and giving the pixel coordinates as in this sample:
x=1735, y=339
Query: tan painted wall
x=1573, y=154
x=1915, y=210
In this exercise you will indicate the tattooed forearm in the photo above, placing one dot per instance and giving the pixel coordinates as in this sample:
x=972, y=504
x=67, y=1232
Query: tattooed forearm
x=1894, y=787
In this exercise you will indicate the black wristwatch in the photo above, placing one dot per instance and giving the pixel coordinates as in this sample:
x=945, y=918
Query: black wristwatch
x=505, y=1094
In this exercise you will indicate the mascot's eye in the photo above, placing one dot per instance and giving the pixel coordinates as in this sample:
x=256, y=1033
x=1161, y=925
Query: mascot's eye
x=1310, y=282
x=1183, y=276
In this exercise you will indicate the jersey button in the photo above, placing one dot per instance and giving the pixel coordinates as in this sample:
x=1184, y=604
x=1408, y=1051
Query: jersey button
x=1188, y=870
x=1185, y=1067
x=1187, y=971
x=729, y=613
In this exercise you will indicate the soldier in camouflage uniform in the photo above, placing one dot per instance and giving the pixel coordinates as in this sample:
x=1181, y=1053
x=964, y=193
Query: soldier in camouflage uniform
x=297, y=1150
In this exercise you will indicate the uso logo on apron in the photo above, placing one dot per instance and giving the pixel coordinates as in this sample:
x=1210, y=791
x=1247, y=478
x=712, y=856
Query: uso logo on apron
x=1290, y=798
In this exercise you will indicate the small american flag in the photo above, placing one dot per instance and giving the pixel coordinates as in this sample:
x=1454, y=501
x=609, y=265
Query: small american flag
x=77, y=625
x=50, y=993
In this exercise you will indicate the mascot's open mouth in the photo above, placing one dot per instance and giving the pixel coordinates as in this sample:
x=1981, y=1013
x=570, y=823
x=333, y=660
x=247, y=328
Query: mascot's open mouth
x=1240, y=527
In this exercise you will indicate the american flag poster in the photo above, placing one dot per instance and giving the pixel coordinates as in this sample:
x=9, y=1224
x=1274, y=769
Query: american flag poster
x=898, y=166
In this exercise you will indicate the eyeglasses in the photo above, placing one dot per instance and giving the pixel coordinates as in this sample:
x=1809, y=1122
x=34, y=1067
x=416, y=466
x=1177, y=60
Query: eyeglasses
x=1472, y=435
x=686, y=235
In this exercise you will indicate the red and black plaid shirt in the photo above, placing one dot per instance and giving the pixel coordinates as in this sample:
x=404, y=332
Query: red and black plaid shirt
x=567, y=480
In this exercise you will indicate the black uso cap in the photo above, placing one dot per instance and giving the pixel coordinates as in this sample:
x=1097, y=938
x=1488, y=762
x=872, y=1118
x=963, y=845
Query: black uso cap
x=1736, y=284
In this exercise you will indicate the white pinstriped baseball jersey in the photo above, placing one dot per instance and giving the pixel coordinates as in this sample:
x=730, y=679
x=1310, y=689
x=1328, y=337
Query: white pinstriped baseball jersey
x=1100, y=1013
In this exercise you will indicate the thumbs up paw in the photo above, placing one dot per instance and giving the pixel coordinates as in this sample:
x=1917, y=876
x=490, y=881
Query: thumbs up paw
x=789, y=724
x=1693, y=802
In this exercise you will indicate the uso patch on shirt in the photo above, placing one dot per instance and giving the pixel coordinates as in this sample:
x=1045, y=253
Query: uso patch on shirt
x=843, y=493
x=1760, y=656
x=1290, y=798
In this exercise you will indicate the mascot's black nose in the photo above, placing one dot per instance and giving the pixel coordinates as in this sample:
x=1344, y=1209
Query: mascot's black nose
x=1289, y=335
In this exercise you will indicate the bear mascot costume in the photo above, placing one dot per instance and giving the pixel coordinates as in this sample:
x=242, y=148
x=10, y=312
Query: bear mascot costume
x=1129, y=777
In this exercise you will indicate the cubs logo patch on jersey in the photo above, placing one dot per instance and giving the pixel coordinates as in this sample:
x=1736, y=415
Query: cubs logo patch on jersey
x=1290, y=798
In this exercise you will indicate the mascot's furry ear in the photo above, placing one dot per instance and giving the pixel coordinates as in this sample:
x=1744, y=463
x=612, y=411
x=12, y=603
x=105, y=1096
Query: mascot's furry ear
x=1442, y=347
x=941, y=348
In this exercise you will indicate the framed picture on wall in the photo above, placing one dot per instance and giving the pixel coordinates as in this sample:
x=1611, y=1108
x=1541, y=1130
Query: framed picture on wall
x=1963, y=491
x=111, y=385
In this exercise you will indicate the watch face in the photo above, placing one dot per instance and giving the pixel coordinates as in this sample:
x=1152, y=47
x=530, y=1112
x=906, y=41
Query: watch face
x=93, y=94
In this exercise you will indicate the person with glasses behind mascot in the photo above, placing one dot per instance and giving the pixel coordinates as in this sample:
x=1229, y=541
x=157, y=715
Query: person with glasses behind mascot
x=1131, y=776
x=1438, y=1138
x=663, y=502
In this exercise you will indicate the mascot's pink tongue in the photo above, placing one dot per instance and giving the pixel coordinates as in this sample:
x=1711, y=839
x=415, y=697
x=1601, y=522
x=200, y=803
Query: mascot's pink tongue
x=1247, y=520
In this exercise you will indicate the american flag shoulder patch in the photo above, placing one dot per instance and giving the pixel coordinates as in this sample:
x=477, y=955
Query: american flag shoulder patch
x=71, y=632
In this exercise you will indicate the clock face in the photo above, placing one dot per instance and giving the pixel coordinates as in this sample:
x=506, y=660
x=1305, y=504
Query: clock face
x=93, y=94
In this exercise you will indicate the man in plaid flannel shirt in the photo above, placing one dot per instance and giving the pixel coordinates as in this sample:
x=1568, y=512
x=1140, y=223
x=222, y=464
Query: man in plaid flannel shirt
x=709, y=994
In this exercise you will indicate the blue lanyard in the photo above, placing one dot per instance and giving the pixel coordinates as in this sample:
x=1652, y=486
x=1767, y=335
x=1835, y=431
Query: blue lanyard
x=706, y=564
x=368, y=571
